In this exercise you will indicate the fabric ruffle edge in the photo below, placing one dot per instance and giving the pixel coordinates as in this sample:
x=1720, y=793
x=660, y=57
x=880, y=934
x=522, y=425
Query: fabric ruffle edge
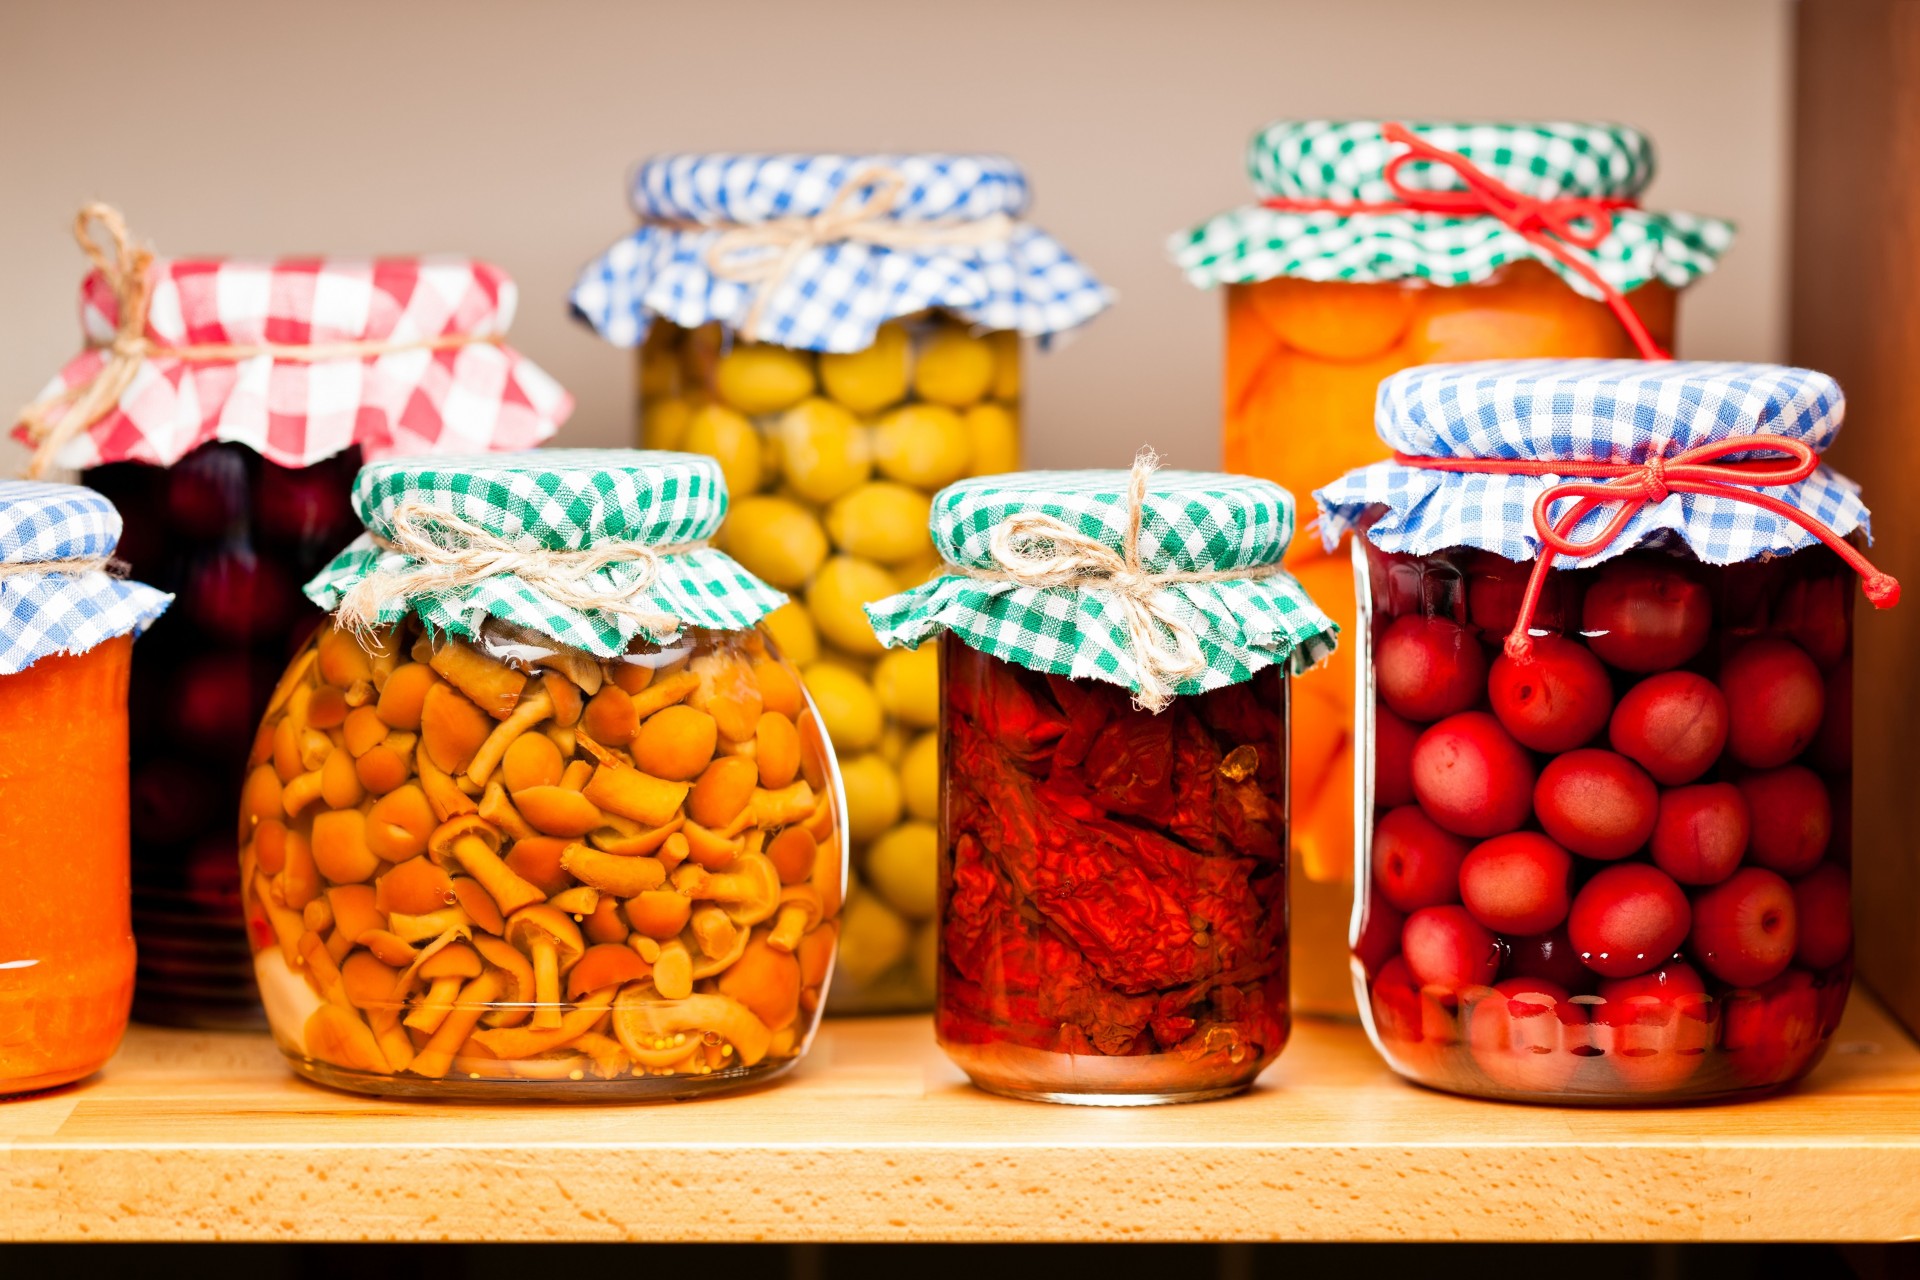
x=65, y=614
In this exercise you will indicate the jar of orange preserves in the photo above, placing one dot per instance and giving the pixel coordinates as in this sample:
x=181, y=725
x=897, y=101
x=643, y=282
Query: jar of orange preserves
x=66, y=636
x=1374, y=247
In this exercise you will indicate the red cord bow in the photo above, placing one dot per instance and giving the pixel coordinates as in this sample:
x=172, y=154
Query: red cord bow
x=1565, y=228
x=1629, y=486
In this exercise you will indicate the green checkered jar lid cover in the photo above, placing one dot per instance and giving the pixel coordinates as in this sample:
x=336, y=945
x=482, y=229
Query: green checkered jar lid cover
x=1319, y=168
x=1162, y=582
x=592, y=548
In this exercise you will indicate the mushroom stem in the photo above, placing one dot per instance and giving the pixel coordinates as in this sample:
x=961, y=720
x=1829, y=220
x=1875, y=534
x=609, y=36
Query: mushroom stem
x=507, y=888
x=623, y=877
x=546, y=981
x=392, y=1040
x=532, y=709
x=434, y=1008
x=434, y=1060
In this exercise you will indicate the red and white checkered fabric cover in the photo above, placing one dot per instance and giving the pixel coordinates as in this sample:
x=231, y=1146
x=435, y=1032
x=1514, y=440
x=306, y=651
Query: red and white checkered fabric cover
x=482, y=396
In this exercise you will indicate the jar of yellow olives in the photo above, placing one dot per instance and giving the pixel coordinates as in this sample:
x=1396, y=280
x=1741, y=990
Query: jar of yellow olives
x=541, y=812
x=844, y=334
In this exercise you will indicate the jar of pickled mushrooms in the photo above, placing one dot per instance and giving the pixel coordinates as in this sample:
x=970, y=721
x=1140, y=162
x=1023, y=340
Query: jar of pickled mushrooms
x=542, y=811
x=224, y=405
x=1375, y=246
x=844, y=334
x=67, y=626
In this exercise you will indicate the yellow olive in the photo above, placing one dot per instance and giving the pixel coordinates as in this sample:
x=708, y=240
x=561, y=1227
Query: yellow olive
x=924, y=445
x=903, y=866
x=870, y=380
x=917, y=571
x=881, y=520
x=731, y=441
x=954, y=368
x=793, y=633
x=995, y=435
x=873, y=796
x=824, y=451
x=920, y=777
x=758, y=378
x=663, y=424
x=907, y=683
x=848, y=710
x=836, y=595
x=1006, y=364
x=872, y=938
x=776, y=539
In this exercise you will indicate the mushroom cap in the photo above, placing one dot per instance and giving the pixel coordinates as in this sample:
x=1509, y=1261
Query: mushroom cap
x=762, y=878
x=456, y=960
x=804, y=895
x=505, y=956
x=441, y=842
x=550, y=920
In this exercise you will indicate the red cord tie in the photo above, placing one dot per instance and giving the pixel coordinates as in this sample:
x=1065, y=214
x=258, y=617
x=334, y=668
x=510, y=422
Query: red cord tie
x=1566, y=228
x=1626, y=487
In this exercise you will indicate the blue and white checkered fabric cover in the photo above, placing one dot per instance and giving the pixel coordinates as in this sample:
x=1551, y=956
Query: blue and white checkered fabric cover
x=48, y=613
x=837, y=297
x=1618, y=410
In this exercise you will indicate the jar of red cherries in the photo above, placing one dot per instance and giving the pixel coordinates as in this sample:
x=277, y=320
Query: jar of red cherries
x=224, y=407
x=1606, y=637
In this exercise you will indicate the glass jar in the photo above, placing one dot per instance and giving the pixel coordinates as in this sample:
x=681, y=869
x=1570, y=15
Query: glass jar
x=1340, y=277
x=1113, y=897
x=232, y=535
x=844, y=333
x=66, y=642
x=508, y=869
x=832, y=461
x=1616, y=871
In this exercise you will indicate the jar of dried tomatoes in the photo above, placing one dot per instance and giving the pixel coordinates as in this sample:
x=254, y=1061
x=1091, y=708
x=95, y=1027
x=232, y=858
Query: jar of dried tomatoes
x=1112, y=890
x=1374, y=247
x=1605, y=741
x=844, y=333
x=541, y=812
x=67, y=626
x=224, y=406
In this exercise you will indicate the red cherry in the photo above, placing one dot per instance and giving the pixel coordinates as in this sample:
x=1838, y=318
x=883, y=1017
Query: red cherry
x=1701, y=832
x=1518, y=1036
x=1472, y=777
x=1445, y=947
x=207, y=491
x=1832, y=746
x=234, y=594
x=1393, y=740
x=1414, y=1030
x=213, y=702
x=1745, y=929
x=1496, y=586
x=1816, y=614
x=1792, y=818
x=1628, y=919
x=1673, y=725
x=1775, y=698
x=1596, y=803
x=1426, y=668
x=1549, y=957
x=1772, y=1035
x=308, y=505
x=1555, y=699
x=1379, y=939
x=1414, y=585
x=1519, y=883
x=1823, y=903
x=1415, y=863
x=1654, y=1029
x=1644, y=616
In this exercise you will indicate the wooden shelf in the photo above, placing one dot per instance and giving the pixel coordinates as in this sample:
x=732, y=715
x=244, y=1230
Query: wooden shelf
x=200, y=1137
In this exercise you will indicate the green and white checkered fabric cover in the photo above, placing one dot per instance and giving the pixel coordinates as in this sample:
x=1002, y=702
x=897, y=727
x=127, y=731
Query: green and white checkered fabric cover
x=562, y=500
x=1191, y=522
x=1346, y=161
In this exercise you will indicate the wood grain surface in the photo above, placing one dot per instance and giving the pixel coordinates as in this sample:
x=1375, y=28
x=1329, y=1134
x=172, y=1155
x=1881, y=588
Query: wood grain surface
x=208, y=1137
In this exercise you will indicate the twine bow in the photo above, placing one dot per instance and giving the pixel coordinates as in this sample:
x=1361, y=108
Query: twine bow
x=763, y=254
x=449, y=552
x=1627, y=487
x=1567, y=228
x=1034, y=549
x=127, y=271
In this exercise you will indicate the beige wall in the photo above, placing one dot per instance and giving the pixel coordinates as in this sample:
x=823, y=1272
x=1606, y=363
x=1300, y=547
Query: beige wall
x=505, y=130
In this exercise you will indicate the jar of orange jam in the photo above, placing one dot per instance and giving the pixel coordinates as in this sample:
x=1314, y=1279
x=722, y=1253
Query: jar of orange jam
x=66, y=637
x=1374, y=247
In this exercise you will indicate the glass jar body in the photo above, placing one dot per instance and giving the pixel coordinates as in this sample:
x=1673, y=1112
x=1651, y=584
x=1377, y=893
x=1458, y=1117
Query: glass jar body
x=1312, y=352
x=511, y=870
x=233, y=536
x=1615, y=871
x=1113, y=914
x=63, y=830
x=831, y=460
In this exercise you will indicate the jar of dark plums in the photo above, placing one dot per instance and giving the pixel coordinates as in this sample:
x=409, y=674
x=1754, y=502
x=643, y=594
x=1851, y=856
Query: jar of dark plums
x=1112, y=891
x=1606, y=631
x=224, y=407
